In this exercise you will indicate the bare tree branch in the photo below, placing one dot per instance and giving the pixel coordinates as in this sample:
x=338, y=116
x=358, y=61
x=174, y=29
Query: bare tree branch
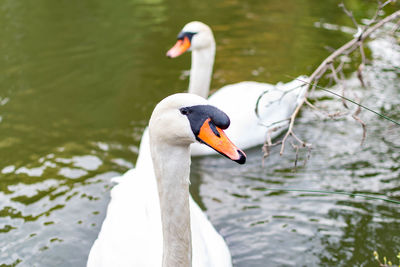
x=328, y=63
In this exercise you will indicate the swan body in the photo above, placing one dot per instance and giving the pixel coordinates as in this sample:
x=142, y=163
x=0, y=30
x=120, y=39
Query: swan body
x=274, y=103
x=153, y=198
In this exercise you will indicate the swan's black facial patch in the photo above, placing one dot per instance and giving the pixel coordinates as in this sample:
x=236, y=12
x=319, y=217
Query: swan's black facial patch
x=197, y=115
x=189, y=35
x=214, y=129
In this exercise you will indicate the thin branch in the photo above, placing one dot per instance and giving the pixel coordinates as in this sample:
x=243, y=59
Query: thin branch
x=312, y=106
x=284, y=92
x=335, y=115
x=379, y=10
x=308, y=155
x=363, y=124
x=290, y=130
x=364, y=127
x=361, y=66
x=349, y=14
x=340, y=83
x=297, y=154
x=329, y=48
x=303, y=144
x=396, y=27
x=268, y=144
x=340, y=67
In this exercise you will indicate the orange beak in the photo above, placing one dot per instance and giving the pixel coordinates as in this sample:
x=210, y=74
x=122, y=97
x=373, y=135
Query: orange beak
x=179, y=48
x=214, y=137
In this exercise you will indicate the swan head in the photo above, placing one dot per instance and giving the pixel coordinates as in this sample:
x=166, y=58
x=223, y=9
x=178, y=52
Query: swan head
x=182, y=119
x=194, y=36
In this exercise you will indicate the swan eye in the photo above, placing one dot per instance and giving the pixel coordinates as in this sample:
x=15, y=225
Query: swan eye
x=185, y=111
x=189, y=35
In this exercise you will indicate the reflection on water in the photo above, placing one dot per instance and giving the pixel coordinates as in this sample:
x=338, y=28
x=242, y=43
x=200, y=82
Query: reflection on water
x=80, y=79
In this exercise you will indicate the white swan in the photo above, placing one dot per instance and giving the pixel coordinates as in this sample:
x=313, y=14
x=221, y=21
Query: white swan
x=239, y=100
x=136, y=232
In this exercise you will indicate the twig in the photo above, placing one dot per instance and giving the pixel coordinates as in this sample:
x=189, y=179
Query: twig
x=335, y=115
x=266, y=148
x=303, y=144
x=312, y=106
x=284, y=92
x=290, y=129
x=308, y=155
x=339, y=82
x=364, y=127
x=363, y=124
x=350, y=14
x=268, y=143
x=379, y=10
x=396, y=27
x=329, y=48
x=361, y=66
x=297, y=154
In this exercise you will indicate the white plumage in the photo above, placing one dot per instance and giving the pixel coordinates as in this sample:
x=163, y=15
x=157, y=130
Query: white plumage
x=131, y=234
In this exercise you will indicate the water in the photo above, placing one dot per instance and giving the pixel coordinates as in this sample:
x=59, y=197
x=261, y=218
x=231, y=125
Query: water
x=79, y=81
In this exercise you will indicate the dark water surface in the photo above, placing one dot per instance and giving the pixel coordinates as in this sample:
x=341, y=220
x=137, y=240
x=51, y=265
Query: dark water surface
x=78, y=82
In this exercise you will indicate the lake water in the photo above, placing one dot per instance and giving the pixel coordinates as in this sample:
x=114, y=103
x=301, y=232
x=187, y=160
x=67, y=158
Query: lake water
x=79, y=80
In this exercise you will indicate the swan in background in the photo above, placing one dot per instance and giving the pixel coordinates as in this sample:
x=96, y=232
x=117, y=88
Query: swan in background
x=274, y=103
x=149, y=227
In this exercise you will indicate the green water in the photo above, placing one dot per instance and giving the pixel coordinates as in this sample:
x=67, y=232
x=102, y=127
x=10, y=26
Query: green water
x=78, y=82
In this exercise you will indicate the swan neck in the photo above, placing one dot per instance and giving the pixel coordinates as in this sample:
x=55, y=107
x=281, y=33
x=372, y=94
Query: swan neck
x=172, y=168
x=201, y=70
